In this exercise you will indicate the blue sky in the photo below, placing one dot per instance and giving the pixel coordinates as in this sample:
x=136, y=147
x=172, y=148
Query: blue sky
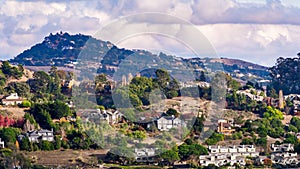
x=254, y=30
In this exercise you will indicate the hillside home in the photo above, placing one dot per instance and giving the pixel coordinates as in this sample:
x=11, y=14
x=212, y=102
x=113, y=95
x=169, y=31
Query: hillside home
x=285, y=158
x=282, y=147
x=261, y=160
x=249, y=93
x=12, y=99
x=37, y=135
x=144, y=155
x=96, y=115
x=1, y=144
x=225, y=127
x=295, y=99
x=223, y=155
x=165, y=123
x=284, y=154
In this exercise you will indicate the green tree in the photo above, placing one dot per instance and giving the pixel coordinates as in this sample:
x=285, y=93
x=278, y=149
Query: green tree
x=202, y=77
x=9, y=134
x=170, y=156
x=23, y=89
x=272, y=113
x=59, y=109
x=25, y=144
x=46, y=145
x=172, y=112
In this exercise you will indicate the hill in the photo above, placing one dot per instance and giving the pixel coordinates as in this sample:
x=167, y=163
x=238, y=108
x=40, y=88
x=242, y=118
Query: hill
x=63, y=50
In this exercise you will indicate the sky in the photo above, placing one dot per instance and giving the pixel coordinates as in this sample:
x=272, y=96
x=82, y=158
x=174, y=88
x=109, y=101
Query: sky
x=258, y=31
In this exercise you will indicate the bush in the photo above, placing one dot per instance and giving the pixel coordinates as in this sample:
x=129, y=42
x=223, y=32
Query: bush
x=26, y=103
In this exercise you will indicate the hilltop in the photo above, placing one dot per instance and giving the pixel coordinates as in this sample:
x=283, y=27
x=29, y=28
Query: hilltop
x=63, y=50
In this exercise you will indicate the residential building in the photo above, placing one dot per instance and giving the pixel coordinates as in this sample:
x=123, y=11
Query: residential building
x=165, y=123
x=285, y=158
x=261, y=160
x=97, y=115
x=1, y=144
x=223, y=155
x=284, y=154
x=37, y=135
x=225, y=127
x=222, y=159
x=144, y=155
x=12, y=99
x=282, y=148
x=250, y=93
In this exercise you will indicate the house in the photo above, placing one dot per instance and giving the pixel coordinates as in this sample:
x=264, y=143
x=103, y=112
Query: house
x=282, y=147
x=97, y=115
x=285, y=158
x=232, y=154
x=12, y=99
x=37, y=135
x=222, y=159
x=225, y=127
x=252, y=94
x=165, y=123
x=261, y=160
x=143, y=155
x=295, y=99
x=284, y=154
x=1, y=143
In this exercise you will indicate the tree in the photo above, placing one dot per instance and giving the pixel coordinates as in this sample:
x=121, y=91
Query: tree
x=172, y=112
x=46, y=145
x=214, y=139
x=9, y=134
x=202, y=77
x=272, y=113
x=26, y=103
x=170, y=156
x=246, y=141
x=25, y=144
x=284, y=75
x=40, y=83
x=292, y=128
x=23, y=89
x=59, y=109
x=262, y=142
x=186, y=151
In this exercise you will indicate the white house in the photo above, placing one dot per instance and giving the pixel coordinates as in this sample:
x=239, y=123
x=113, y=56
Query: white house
x=144, y=154
x=282, y=147
x=35, y=136
x=1, y=143
x=248, y=93
x=285, y=158
x=165, y=123
x=232, y=154
x=96, y=115
x=284, y=154
x=12, y=99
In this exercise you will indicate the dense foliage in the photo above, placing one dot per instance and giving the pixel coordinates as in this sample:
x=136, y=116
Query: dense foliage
x=285, y=75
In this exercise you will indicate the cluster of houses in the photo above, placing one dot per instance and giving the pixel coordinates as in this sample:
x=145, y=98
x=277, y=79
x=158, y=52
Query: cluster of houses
x=256, y=95
x=284, y=154
x=223, y=155
x=236, y=154
x=163, y=123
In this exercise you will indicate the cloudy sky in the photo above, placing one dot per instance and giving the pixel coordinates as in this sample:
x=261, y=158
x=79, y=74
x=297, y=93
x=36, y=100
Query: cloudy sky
x=254, y=30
